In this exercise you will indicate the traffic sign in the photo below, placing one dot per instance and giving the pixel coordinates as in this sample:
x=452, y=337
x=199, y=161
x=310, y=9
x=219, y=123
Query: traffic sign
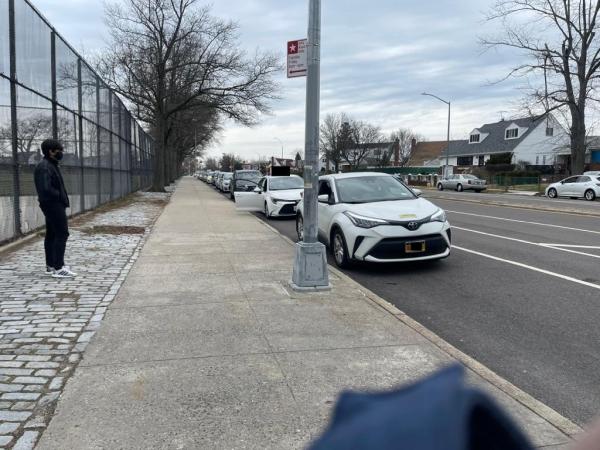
x=296, y=58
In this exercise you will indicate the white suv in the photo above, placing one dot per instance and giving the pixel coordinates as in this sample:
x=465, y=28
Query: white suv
x=374, y=217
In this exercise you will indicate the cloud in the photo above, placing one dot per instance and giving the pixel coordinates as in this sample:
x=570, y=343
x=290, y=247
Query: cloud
x=376, y=59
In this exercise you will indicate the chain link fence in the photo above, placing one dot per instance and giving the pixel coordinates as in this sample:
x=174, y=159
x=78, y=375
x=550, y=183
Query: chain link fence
x=48, y=90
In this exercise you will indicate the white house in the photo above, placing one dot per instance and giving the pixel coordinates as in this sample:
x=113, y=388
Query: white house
x=540, y=141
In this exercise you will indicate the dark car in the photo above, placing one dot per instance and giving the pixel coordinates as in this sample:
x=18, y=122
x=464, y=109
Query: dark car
x=244, y=180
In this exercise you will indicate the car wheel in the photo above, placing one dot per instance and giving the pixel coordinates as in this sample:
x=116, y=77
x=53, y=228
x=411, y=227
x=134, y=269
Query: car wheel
x=339, y=249
x=459, y=187
x=552, y=193
x=440, y=187
x=590, y=195
x=231, y=196
x=300, y=227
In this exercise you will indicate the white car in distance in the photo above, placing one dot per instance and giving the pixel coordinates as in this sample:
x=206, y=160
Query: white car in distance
x=374, y=217
x=586, y=186
x=275, y=196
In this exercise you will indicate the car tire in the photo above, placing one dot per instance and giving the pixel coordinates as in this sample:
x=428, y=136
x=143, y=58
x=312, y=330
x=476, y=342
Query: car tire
x=266, y=211
x=300, y=228
x=440, y=187
x=231, y=196
x=590, y=195
x=552, y=193
x=339, y=249
x=459, y=187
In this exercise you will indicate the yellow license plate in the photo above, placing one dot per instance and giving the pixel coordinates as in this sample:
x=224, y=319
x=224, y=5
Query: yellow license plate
x=415, y=247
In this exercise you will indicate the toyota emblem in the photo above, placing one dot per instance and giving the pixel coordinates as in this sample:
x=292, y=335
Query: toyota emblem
x=412, y=226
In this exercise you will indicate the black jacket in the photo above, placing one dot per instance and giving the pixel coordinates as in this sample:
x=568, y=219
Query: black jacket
x=49, y=184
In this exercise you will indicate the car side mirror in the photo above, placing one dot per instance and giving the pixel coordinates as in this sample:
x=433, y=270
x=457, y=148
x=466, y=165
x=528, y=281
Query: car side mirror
x=418, y=192
x=257, y=190
x=323, y=198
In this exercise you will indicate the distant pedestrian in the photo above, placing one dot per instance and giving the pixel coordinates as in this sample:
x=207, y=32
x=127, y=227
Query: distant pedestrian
x=54, y=201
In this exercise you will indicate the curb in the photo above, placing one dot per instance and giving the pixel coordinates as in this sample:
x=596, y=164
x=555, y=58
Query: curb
x=533, y=208
x=551, y=416
x=15, y=245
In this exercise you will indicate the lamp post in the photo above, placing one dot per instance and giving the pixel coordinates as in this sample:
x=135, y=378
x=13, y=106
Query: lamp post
x=448, y=135
x=281, y=146
x=310, y=261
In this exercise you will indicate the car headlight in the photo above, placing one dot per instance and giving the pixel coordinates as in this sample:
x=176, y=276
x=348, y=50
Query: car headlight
x=275, y=200
x=439, y=216
x=363, y=221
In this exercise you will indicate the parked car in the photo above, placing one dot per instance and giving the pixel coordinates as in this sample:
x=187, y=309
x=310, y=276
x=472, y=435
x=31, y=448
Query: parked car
x=226, y=181
x=210, y=176
x=219, y=180
x=243, y=180
x=215, y=177
x=274, y=196
x=462, y=182
x=586, y=186
x=373, y=217
x=594, y=173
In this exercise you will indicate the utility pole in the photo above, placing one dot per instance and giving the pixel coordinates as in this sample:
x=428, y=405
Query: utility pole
x=448, y=135
x=281, y=146
x=310, y=262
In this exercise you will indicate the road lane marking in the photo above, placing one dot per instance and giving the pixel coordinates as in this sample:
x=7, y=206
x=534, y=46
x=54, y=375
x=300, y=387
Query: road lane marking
x=526, y=266
x=525, y=221
x=591, y=247
x=521, y=241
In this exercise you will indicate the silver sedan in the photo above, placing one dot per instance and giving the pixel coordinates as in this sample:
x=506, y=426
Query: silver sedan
x=461, y=183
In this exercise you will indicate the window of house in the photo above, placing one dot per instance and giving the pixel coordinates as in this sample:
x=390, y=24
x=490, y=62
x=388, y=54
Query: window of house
x=537, y=160
x=549, y=131
x=512, y=133
x=474, y=138
x=544, y=160
x=465, y=161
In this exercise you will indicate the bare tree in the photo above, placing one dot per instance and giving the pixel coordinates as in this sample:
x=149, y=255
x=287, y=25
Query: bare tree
x=211, y=163
x=169, y=56
x=329, y=136
x=559, y=39
x=363, y=139
x=405, y=137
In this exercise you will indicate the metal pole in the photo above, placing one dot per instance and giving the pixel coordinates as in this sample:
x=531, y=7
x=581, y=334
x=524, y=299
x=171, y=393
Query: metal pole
x=13, y=120
x=310, y=262
x=448, y=143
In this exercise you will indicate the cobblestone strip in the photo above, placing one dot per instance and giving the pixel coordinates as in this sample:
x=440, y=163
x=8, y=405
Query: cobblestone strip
x=46, y=323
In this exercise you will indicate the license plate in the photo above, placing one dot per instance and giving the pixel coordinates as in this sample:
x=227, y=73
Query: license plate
x=415, y=247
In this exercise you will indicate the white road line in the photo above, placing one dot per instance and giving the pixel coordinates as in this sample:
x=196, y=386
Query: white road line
x=525, y=266
x=591, y=247
x=521, y=241
x=524, y=221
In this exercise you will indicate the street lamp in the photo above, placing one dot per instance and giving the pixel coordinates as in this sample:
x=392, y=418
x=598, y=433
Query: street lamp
x=448, y=135
x=310, y=261
x=281, y=146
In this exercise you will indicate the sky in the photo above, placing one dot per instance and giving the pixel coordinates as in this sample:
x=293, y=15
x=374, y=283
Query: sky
x=377, y=58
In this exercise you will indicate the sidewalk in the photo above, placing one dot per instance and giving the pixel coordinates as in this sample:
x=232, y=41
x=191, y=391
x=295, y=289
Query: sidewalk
x=205, y=346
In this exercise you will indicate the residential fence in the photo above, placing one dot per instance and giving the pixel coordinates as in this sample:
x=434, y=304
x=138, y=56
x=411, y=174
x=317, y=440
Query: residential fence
x=48, y=90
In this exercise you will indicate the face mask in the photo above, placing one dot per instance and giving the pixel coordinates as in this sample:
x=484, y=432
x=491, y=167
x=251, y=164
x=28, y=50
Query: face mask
x=58, y=156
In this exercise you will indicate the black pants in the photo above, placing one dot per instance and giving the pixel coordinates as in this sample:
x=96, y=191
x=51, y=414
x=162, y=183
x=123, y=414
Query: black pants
x=57, y=233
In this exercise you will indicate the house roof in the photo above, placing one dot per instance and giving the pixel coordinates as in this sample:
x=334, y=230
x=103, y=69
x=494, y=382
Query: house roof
x=495, y=142
x=427, y=151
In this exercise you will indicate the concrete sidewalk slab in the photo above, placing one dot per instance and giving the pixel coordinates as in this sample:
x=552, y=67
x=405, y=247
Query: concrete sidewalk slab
x=190, y=358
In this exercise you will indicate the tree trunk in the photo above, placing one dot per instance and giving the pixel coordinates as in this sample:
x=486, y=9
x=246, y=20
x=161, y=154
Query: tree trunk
x=578, y=146
x=158, y=183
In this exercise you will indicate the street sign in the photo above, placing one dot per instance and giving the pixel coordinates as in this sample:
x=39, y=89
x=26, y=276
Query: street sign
x=296, y=59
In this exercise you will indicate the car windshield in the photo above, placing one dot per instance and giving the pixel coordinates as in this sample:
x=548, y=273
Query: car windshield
x=227, y=176
x=250, y=175
x=282, y=183
x=372, y=189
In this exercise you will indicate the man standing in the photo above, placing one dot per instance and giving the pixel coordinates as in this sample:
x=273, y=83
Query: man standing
x=54, y=201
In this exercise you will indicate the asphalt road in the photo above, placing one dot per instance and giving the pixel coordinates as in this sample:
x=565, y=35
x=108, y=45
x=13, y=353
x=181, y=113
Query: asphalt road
x=520, y=293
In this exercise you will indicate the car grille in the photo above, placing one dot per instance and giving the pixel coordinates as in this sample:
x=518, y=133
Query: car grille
x=287, y=209
x=394, y=248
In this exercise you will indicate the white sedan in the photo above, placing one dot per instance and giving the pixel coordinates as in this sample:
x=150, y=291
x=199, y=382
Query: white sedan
x=275, y=196
x=375, y=217
x=586, y=186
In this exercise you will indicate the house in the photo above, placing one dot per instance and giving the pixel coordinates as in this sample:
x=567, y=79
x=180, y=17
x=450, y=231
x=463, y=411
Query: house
x=428, y=153
x=536, y=141
x=375, y=154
